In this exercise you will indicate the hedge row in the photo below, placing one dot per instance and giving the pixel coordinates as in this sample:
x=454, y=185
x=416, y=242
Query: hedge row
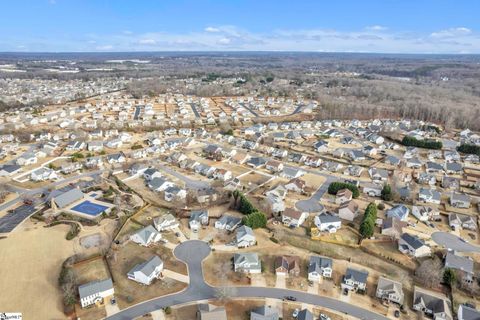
x=426, y=144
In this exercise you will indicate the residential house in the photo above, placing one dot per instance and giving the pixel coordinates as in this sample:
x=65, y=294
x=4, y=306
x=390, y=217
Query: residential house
x=450, y=183
x=433, y=167
x=453, y=168
x=343, y=196
x=429, y=196
x=207, y=311
x=116, y=158
x=287, y=266
x=147, y=271
x=165, y=222
x=399, y=211
x=43, y=174
x=378, y=174
x=413, y=246
x=95, y=146
x=413, y=163
x=9, y=170
x=245, y=237
x=151, y=173
x=293, y=218
x=327, y=222
x=247, y=262
x=372, y=189
x=27, y=159
x=460, y=200
x=424, y=213
x=291, y=173
x=348, y=211
x=146, y=236
x=431, y=304
x=355, y=280
x=390, y=290
x=392, y=160
x=319, y=267
x=467, y=313
x=264, y=313
x=160, y=184
x=197, y=219
x=296, y=185
x=95, y=292
x=393, y=227
x=458, y=221
x=463, y=266
x=305, y=314
x=175, y=193
x=222, y=174
x=228, y=223
x=274, y=166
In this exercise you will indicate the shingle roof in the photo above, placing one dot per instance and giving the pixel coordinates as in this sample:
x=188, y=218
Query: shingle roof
x=94, y=287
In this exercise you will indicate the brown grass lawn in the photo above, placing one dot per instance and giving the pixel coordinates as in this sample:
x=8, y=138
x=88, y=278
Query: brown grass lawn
x=30, y=263
x=129, y=228
x=91, y=270
x=237, y=309
x=390, y=250
x=147, y=215
x=218, y=270
x=130, y=255
x=90, y=313
x=254, y=178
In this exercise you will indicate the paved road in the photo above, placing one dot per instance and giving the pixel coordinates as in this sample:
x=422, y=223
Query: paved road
x=194, y=109
x=312, y=204
x=193, y=252
x=451, y=241
x=249, y=109
x=189, y=183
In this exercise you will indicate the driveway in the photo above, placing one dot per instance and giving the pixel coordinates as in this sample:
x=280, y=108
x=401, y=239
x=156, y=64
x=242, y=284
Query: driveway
x=452, y=242
x=189, y=183
x=193, y=252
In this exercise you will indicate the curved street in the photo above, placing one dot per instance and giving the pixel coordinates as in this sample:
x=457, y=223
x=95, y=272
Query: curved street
x=192, y=253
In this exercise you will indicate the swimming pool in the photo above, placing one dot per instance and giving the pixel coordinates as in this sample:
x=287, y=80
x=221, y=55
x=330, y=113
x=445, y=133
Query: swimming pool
x=90, y=208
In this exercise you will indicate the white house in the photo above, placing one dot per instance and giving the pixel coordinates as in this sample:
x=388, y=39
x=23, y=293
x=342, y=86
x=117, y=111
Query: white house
x=43, y=174
x=413, y=246
x=294, y=218
x=319, y=267
x=197, y=219
x=327, y=223
x=147, y=271
x=27, y=159
x=165, y=222
x=245, y=237
x=95, y=292
x=146, y=236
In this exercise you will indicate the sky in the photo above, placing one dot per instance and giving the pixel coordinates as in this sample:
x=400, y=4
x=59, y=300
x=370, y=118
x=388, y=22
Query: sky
x=381, y=26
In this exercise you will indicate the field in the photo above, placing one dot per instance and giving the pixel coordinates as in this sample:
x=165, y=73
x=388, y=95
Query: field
x=30, y=264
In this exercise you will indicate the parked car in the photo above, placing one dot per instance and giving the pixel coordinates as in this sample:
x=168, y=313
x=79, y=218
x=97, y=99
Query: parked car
x=397, y=313
x=290, y=298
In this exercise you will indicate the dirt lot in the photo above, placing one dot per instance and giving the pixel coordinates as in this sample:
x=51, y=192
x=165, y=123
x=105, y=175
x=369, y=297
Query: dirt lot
x=30, y=264
x=130, y=255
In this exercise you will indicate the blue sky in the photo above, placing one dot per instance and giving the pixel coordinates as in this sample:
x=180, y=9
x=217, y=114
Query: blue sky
x=403, y=26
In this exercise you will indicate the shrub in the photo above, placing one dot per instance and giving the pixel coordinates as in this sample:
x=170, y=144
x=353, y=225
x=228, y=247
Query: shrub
x=469, y=149
x=381, y=206
x=255, y=220
x=427, y=144
x=334, y=187
x=387, y=194
x=275, y=240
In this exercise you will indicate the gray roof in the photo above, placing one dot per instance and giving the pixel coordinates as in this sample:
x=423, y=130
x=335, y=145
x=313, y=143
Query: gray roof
x=356, y=275
x=264, y=313
x=468, y=313
x=147, y=267
x=317, y=263
x=250, y=257
x=10, y=168
x=413, y=241
x=328, y=218
x=94, y=287
x=68, y=197
x=145, y=233
x=305, y=314
x=458, y=262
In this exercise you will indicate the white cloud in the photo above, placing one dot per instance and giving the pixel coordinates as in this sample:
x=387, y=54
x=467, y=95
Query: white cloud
x=147, y=41
x=211, y=29
x=376, y=28
x=452, y=32
x=224, y=41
